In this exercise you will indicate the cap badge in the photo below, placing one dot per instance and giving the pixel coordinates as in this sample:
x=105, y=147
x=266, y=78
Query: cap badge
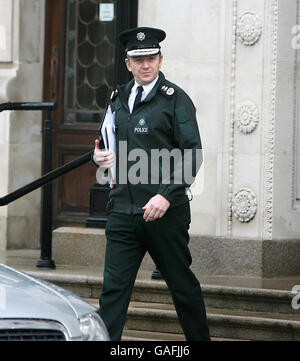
x=141, y=36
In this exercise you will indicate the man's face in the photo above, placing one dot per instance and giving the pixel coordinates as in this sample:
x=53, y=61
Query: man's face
x=145, y=68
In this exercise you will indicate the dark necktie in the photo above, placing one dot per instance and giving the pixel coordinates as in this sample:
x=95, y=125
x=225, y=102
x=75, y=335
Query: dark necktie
x=138, y=97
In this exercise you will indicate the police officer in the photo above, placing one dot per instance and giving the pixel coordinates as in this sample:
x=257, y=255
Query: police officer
x=150, y=212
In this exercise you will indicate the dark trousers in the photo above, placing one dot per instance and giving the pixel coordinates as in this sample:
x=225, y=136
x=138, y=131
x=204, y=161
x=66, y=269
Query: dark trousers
x=166, y=239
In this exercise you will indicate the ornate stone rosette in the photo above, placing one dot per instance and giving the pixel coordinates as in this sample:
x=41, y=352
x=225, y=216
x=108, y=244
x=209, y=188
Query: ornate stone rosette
x=249, y=28
x=244, y=205
x=246, y=117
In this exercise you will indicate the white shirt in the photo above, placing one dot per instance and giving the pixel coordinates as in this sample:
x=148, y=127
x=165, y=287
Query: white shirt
x=146, y=90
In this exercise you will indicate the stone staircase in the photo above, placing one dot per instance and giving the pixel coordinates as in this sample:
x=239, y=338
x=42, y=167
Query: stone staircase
x=238, y=308
x=234, y=313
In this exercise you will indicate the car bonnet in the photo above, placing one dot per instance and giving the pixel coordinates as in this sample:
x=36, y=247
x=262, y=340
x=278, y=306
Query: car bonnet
x=23, y=296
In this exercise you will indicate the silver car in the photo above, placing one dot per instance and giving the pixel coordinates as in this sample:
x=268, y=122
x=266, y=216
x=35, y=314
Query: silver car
x=32, y=309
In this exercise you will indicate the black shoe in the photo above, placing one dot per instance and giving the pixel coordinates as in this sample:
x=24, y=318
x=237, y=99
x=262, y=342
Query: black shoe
x=156, y=275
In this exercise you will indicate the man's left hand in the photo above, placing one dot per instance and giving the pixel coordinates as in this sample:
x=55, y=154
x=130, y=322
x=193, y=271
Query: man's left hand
x=155, y=208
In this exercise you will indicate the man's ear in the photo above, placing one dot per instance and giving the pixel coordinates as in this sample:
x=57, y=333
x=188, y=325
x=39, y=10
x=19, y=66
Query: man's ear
x=160, y=60
x=127, y=62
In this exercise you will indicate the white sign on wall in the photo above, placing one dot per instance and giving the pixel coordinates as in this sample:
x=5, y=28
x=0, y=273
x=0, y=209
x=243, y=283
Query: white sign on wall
x=106, y=12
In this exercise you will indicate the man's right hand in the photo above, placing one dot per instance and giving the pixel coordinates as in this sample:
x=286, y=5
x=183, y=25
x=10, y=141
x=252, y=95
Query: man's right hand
x=104, y=158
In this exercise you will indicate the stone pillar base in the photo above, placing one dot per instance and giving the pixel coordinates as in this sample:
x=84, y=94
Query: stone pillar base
x=245, y=257
x=211, y=255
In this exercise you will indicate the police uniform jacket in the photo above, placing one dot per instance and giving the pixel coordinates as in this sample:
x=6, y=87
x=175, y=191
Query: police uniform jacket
x=165, y=119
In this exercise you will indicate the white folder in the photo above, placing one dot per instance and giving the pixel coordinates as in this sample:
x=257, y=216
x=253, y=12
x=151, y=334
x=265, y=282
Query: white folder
x=108, y=135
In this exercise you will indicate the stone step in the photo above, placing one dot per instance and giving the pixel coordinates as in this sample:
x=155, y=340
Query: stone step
x=80, y=246
x=138, y=335
x=250, y=326
x=224, y=324
x=215, y=296
x=84, y=247
x=143, y=335
x=233, y=312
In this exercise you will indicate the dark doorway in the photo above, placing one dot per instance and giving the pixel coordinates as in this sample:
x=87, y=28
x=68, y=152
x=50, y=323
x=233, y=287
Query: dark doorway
x=83, y=63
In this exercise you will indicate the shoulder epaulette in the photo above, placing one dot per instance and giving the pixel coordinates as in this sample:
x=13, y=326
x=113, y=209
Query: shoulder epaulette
x=114, y=95
x=168, y=91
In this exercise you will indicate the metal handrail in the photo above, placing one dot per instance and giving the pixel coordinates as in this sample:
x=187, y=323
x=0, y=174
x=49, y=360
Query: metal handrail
x=28, y=106
x=44, y=181
x=46, y=178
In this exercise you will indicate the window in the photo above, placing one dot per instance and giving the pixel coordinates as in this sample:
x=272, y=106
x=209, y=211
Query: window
x=90, y=59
